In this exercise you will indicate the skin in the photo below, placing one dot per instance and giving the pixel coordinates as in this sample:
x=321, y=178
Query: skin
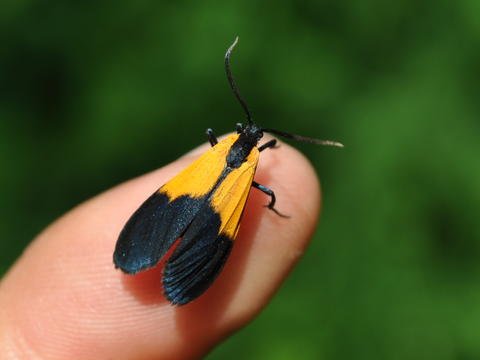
x=63, y=299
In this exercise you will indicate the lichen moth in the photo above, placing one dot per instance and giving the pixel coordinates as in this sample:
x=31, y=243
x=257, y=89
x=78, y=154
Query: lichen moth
x=203, y=206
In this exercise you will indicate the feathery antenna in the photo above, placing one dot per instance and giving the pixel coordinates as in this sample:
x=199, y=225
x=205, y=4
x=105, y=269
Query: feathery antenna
x=304, y=138
x=232, y=83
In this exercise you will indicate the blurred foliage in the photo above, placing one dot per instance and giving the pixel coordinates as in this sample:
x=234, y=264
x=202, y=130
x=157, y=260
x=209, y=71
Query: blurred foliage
x=94, y=93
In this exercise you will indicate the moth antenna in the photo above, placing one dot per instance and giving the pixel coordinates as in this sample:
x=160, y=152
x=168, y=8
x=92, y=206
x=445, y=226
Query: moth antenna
x=232, y=83
x=304, y=138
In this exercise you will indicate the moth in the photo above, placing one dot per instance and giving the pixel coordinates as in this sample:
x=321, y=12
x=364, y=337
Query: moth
x=201, y=207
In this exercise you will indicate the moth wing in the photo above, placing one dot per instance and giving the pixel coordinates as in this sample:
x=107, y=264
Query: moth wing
x=207, y=242
x=165, y=215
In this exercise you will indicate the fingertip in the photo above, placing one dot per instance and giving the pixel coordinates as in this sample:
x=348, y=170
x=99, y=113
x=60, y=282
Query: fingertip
x=293, y=178
x=76, y=288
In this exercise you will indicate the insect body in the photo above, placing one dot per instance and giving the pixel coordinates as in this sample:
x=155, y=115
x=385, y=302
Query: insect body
x=203, y=206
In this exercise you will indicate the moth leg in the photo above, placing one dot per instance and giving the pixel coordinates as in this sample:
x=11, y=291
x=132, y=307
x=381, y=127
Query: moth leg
x=273, y=199
x=211, y=137
x=269, y=144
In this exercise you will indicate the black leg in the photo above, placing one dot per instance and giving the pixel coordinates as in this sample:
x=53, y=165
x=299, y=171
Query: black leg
x=211, y=137
x=269, y=192
x=269, y=144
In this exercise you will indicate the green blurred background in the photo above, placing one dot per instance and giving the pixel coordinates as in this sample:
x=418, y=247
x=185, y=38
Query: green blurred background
x=95, y=92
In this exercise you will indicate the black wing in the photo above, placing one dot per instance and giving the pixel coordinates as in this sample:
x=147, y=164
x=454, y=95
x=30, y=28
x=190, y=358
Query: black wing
x=152, y=230
x=198, y=259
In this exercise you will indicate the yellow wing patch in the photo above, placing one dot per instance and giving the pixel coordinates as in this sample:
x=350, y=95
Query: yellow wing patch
x=200, y=176
x=230, y=197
